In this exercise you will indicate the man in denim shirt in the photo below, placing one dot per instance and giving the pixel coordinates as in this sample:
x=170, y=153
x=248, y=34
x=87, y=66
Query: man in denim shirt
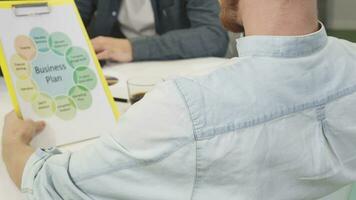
x=278, y=123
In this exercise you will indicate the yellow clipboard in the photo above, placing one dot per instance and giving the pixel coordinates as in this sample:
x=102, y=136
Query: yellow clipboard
x=52, y=3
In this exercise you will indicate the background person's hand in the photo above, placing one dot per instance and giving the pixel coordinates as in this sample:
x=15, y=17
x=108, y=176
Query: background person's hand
x=20, y=131
x=108, y=48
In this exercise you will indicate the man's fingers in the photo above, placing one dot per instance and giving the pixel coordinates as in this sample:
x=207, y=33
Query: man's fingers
x=105, y=55
x=12, y=116
x=19, y=130
x=39, y=126
x=99, y=44
x=36, y=127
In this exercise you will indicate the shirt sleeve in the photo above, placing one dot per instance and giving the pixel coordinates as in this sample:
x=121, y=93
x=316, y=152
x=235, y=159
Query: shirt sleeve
x=151, y=155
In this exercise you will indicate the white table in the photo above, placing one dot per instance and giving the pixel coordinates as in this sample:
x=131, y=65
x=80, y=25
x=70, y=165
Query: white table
x=162, y=69
x=165, y=69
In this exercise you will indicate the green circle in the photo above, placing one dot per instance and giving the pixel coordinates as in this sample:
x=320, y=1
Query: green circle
x=81, y=96
x=66, y=108
x=27, y=89
x=20, y=67
x=43, y=105
x=86, y=77
x=59, y=43
x=77, y=57
x=40, y=36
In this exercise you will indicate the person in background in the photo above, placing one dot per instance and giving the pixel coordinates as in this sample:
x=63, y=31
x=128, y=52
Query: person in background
x=278, y=123
x=140, y=30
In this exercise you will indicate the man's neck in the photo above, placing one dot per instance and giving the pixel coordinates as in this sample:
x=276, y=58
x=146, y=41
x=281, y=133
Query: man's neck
x=280, y=18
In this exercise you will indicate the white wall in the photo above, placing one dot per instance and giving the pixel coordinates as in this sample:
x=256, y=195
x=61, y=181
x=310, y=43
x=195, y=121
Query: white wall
x=341, y=14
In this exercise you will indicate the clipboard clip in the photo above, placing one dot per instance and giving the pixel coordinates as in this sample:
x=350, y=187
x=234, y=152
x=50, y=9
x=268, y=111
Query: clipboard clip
x=31, y=9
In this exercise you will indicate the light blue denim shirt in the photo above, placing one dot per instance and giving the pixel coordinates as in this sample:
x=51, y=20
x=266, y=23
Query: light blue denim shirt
x=279, y=123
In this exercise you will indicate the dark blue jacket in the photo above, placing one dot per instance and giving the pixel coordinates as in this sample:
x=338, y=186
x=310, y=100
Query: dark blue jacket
x=186, y=28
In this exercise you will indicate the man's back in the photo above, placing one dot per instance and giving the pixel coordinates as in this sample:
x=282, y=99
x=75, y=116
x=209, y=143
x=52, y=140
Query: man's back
x=280, y=123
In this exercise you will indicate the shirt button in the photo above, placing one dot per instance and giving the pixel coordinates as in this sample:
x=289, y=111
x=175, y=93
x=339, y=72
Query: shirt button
x=164, y=13
x=114, y=13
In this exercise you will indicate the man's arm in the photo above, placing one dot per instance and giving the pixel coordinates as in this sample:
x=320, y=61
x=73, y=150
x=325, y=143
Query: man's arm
x=17, y=135
x=206, y=37
x=152, y=151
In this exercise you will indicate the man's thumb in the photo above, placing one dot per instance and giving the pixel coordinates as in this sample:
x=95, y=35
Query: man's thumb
x=39, y=126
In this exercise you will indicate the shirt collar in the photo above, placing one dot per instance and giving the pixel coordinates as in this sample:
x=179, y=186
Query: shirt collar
x=282, y=46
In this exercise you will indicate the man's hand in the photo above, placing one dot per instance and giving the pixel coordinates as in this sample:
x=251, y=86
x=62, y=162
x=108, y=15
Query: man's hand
x=20, y=131
x=17, y=134
x=107, y=48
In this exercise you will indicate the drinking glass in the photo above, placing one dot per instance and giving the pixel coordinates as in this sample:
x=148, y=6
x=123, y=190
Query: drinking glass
x=138, y=86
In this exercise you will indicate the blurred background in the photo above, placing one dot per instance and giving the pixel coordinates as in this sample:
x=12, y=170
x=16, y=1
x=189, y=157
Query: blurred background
x=339, y=17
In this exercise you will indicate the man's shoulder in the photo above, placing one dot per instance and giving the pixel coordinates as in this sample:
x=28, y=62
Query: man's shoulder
x=224, y=83
x=255, y=88
x=230, y=73
x=341, y=45
x=218, y=97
